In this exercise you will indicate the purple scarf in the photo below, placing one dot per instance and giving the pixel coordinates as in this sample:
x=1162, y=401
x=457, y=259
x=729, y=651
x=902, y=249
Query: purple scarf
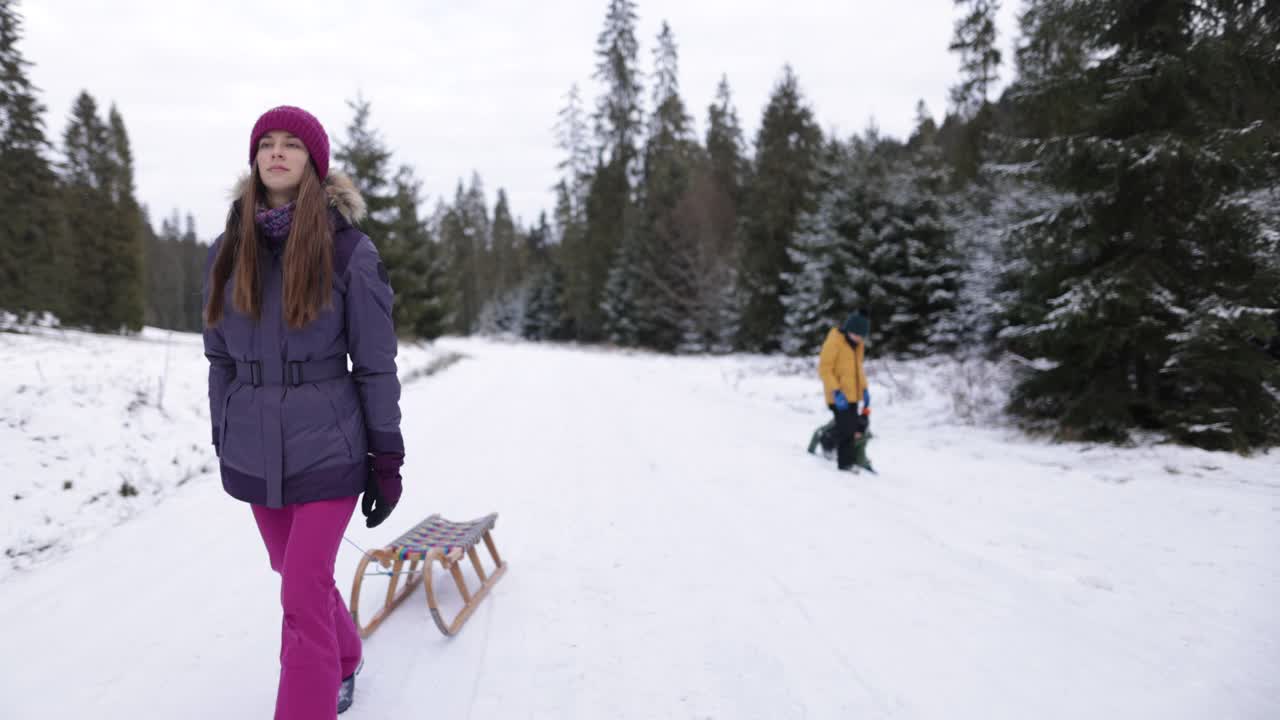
x=275, y=223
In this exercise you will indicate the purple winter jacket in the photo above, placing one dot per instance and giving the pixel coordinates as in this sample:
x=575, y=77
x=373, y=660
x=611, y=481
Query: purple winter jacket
x=291, y=423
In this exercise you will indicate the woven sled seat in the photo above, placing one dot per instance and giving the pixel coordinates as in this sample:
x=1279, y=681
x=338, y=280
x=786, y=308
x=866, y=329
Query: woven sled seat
x=411, y=557
x=436, y=532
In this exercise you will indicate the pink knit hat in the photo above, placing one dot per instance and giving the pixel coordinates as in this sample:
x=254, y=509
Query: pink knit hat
x=303, y=125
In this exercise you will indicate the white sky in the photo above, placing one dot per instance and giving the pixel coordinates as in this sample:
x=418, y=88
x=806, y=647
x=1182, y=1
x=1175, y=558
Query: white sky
x=456, y=86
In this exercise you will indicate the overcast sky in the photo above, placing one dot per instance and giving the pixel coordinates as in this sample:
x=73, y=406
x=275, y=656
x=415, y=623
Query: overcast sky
x=456, y=85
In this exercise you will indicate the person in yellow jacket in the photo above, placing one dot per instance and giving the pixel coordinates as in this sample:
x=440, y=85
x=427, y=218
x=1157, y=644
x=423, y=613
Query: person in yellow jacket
x=844, y=383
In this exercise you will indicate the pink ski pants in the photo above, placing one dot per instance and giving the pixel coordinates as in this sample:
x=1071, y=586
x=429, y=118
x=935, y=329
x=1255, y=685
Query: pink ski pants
x=319, y=643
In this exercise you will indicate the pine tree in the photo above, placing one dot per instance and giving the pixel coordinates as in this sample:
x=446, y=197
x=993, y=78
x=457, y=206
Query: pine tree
x=621, y=301
x=710, y=212
x=573, y=140
x=34, y=258
x=812, y=303
x=965, y=135
x=1057, y=40
x=975, y=41
x=610, y=218
x=506, y=256
x=569, y=237
x=365, y=157
x=877, y=242
x=87, y=179
x=914, y=261
x=659, y=262
x=820, y=290
x=164, y=277
x=572, y=194
x=618, y=111
x=478, y=227
x=417, y=274
x=544, y=316
x=174, y=267
x=460, y=252
x=194, y=253
x=705, y=261
x=1138, y=297
x=507, y=304
x=787, y=149
x=724, y=143
x=610, y=213
x=128, y=231
x=925, y=134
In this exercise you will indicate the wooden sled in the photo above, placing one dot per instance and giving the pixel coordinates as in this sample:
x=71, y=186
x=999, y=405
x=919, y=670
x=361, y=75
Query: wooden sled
x=412, y=555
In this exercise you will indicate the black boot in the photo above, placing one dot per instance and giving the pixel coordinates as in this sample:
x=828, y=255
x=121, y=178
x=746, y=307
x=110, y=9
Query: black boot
x=347, y=690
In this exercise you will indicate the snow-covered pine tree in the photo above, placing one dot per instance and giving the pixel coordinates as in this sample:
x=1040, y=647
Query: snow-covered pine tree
x=544, y=319
x=664, y=267
x=507, y=314
x=620, y=304
x=1137, y=299
x=810, y=307
x=877, y=242
x=707, y=216
x=610, y=211
x=818, y=291
x=918, y=260
x=788, y=146
x=707, y=257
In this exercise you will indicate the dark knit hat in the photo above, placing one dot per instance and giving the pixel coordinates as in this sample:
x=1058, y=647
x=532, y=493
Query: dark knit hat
x=857, y=323
x=303, y=125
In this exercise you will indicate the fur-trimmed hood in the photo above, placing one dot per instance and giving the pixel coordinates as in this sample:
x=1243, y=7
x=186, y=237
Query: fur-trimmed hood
x=342, y=192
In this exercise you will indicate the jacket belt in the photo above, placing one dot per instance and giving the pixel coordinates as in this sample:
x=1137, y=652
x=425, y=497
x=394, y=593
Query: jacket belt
x=293, y=373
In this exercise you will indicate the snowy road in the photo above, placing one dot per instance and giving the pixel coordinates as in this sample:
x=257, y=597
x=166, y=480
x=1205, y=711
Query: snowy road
x=674, y=553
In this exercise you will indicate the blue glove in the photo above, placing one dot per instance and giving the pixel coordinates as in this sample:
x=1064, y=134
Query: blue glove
x=842, y=402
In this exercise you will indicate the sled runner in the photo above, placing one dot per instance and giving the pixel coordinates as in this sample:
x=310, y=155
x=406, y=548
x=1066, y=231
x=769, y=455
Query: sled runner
x=411, y=556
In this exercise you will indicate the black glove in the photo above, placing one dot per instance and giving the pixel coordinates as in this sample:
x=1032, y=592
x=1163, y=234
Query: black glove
x=375, y=507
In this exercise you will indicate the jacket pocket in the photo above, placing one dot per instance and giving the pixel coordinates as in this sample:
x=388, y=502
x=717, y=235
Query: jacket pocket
x=242, y=446
x=337, y=420
x=222, y=428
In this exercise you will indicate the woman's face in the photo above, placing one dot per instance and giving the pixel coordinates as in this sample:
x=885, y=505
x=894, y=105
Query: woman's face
x=281, y=158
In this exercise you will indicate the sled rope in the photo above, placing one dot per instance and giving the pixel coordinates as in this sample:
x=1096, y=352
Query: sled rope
x=362, y=550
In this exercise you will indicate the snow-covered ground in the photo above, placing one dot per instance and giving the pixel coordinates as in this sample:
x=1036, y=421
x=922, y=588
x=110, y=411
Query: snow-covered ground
x=95, y=428
x=674, y=552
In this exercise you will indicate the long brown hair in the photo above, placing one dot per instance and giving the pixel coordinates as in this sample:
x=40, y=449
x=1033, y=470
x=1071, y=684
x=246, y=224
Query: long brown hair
x=308, y=255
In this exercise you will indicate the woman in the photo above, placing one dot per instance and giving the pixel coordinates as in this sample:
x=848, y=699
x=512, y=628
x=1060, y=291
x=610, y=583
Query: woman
x=291, y=289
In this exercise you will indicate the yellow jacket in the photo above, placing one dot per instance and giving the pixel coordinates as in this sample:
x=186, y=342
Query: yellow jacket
x=840, y=367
